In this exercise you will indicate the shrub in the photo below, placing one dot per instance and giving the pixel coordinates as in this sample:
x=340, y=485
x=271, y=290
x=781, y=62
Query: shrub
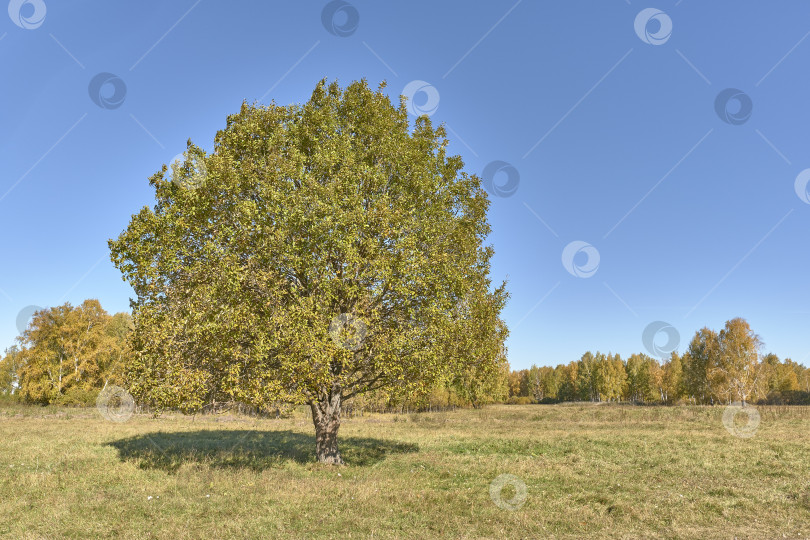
x=787, y=397
x=78, y=397
x=522, y=400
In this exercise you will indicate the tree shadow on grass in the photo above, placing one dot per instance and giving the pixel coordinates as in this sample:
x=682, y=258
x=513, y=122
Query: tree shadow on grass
x=257, y=450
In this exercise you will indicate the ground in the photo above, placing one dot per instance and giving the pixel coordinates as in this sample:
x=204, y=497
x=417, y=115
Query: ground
x=589, y=470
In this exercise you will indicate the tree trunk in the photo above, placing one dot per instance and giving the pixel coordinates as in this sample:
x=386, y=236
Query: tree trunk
x=326, y=417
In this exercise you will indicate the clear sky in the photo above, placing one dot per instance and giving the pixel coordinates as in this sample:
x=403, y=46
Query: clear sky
x=629, y=185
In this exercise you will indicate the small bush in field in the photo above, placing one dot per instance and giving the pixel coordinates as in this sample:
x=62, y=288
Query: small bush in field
x=78, y=397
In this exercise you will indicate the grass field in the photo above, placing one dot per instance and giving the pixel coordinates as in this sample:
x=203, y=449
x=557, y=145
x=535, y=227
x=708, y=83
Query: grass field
x=605, y=471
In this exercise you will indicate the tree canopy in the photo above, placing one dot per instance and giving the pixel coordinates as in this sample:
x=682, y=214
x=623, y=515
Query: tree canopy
x=321, y=250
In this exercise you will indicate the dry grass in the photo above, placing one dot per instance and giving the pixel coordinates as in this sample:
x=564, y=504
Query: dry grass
x=606, y=471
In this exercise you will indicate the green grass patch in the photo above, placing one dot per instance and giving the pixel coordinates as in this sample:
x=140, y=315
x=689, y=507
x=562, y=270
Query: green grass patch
x=606, y=471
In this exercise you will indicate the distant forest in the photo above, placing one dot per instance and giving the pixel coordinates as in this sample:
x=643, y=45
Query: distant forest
x=717, y=367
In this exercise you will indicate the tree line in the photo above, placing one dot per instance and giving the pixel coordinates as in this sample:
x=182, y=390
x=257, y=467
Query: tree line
x=717, y=367
x=68, y=354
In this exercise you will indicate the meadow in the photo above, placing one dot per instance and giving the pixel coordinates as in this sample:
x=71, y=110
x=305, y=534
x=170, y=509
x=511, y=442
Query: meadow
x=576, y=471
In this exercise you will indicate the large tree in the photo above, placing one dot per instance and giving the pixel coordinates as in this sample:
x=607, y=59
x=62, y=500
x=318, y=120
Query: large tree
x=320, y=251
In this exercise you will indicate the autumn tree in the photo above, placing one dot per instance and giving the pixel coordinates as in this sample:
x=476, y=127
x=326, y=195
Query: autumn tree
x=566, y=376
x=516, y=379
x=640, y=384
x=697, y=360
x=656, y=380
x=672, y=378
x=10, y=366
x=483, y=383
x=779, y=377
x=320, y=251
x=798, y=370
x=519, y=383
x=803, y=376
x=586, y=377
x=549, y=383
x=70, y=349
x=535, y=383
x=735, y=373
x=611, y=378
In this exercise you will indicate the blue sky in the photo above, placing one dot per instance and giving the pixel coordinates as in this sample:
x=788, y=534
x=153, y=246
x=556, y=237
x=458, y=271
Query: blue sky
x=603, y=115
